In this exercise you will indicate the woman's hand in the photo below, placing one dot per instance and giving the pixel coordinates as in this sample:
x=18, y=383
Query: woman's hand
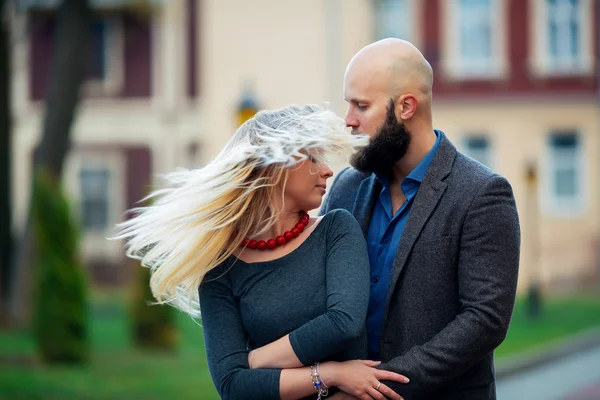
x=360, y=379
x=342, y=396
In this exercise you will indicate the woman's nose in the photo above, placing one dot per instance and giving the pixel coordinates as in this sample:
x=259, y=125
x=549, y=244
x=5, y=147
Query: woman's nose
x=326, y=172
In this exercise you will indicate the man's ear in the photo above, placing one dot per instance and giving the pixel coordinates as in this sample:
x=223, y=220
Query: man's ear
x=406, y=106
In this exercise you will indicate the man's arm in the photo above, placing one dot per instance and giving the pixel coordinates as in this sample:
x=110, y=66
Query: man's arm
x=487, y=273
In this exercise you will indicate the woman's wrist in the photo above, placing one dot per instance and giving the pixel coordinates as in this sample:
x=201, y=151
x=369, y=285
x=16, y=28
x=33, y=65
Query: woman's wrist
x=252, y=359
x=327, y=371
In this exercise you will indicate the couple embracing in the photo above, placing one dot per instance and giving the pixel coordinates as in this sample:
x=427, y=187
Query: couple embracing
x=401, y=287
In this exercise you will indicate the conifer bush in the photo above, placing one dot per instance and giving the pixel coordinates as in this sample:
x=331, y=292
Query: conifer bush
x=61, y=290
x=153, y=325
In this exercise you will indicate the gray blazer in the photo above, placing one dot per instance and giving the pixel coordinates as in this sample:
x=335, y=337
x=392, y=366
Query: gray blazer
x=454, y=278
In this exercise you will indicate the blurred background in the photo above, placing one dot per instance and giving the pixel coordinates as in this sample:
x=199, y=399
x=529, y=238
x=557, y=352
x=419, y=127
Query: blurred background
x=99, y=97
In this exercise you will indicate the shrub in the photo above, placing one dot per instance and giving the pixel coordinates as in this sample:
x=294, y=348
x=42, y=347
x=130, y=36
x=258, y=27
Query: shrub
x=153, y=325
x=60, y=315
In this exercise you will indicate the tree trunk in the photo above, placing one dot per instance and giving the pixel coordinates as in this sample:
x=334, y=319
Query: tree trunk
x=5, y=162
x=67, y=74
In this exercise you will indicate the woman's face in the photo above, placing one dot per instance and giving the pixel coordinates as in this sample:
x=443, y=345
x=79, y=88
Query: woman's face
x=306, y=184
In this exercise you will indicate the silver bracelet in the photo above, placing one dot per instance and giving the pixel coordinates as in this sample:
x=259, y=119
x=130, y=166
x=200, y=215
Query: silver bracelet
x=320, y=387
x=322, y=381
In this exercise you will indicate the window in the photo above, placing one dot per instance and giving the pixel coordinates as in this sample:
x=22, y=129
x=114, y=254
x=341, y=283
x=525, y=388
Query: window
x=475, y=34
x=105, y=68
x=565, y=171
x=478, y=148
x=99, y=48
x=564, y=153
x=563, y=36
x=475, y=38
x=394, y=18
x=95, y=190
x=96, y=179
x=564, y=33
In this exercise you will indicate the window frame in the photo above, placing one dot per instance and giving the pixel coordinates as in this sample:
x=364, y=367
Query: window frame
x=452, y=63
x=475, y=136
x=114, y=60
x=555, y=205
x=541, y=63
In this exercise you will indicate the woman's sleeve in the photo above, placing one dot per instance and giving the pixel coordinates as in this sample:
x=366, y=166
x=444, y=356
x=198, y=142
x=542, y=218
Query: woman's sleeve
x=347, y=278
x=225, y=342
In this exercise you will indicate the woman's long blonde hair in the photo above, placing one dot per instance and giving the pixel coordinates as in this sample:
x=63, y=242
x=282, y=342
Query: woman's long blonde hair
x=196, y=223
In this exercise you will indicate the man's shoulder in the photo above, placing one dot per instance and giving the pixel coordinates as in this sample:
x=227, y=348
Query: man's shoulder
x=472, y=172
x=349, y=178
x=470, y=177
x=343, y=190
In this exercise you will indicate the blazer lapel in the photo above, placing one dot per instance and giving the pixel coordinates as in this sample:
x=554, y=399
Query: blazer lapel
x=430, y=192
x=363, y=210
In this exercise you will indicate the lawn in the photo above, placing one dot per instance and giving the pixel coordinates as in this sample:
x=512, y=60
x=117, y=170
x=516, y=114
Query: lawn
x=561, y=317
x=118, y=371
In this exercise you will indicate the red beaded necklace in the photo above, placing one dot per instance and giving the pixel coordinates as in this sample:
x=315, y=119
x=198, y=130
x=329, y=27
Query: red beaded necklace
x=281, y=239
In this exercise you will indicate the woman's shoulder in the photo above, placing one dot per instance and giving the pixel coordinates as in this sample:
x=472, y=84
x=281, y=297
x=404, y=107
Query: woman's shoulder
x=219, y=273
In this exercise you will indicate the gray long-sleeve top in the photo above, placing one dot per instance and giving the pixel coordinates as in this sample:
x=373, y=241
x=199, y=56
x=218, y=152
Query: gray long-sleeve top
x=318, y=293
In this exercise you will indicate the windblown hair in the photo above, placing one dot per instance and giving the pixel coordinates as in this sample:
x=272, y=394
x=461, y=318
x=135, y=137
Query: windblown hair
x=198, y=220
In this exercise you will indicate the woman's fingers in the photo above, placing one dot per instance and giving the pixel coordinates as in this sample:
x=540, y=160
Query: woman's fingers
x=387, y=391
x=374, y=393
x=391, y=376
x=370, y=363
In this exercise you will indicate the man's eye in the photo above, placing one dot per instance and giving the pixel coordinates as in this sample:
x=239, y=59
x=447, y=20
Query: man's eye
x=361, y=107
x=312, y=159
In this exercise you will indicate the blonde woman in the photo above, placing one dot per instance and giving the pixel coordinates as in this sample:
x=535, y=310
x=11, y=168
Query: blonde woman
x=282, y=296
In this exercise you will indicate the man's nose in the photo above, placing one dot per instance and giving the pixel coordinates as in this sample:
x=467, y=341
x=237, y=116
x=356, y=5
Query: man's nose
x=351, y=121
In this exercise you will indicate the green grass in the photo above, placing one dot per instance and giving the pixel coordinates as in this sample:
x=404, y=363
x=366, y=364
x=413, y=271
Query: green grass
x=118, y=371
x=560, y=317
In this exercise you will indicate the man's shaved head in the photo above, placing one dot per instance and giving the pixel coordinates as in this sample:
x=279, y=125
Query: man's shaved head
x=397, y=65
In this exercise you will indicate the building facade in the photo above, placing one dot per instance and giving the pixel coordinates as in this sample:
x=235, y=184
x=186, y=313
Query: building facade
x=516, y=85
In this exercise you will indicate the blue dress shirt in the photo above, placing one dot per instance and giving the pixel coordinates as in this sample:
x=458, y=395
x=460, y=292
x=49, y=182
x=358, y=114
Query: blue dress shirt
x=383, y=239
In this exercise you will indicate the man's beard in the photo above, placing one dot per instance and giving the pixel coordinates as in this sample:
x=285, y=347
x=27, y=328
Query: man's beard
x=389, y=145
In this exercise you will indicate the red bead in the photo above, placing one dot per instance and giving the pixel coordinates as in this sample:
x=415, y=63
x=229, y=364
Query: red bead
x=281, y=240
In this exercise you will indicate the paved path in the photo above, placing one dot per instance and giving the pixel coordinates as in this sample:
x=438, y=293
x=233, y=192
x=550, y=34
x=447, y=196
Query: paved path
x=575, y=377
x=590, y=392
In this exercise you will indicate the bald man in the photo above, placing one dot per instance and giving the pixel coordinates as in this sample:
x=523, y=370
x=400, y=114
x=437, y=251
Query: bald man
x=442, y=231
